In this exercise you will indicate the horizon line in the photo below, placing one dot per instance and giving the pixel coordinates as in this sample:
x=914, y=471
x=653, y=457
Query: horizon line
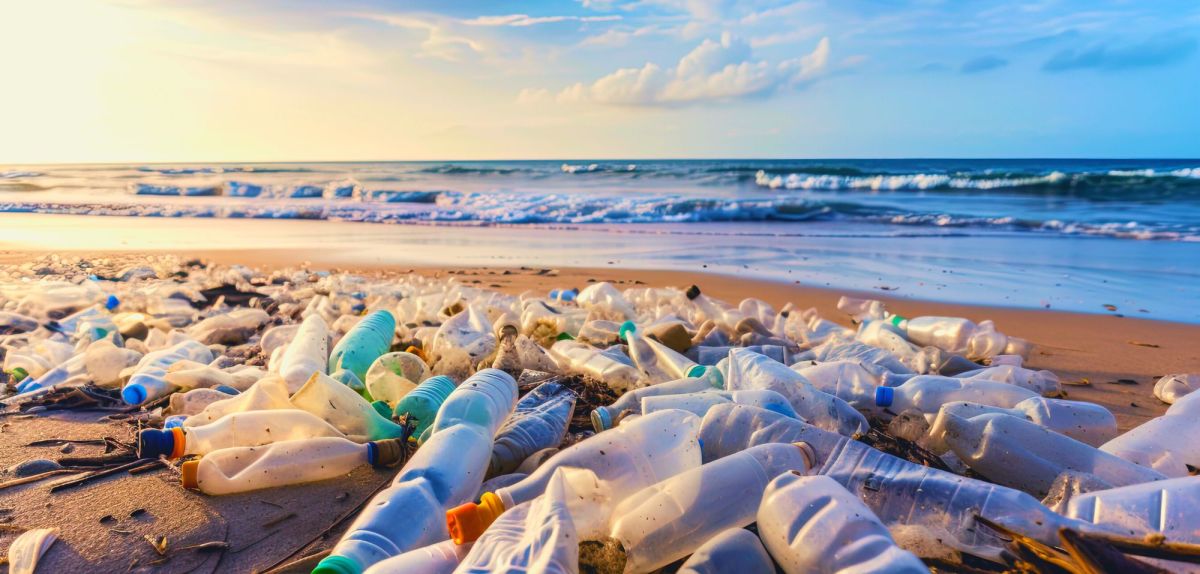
x=617, y=159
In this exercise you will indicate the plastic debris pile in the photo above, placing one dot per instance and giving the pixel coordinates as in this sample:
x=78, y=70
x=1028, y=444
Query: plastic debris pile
x=606, y=430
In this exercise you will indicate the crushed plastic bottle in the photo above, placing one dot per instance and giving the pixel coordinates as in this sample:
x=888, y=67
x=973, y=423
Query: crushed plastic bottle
x=268, y=393
x=1088, y=423
x=745, y=370
x=614, y=369
x=1164, y=443
x=344, y=409
x=394, y=375
x=1165, y=507
x=539, y=422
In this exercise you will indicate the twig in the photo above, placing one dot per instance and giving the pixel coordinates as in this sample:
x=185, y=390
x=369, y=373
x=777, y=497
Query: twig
x=35, y=478
x=94, y=476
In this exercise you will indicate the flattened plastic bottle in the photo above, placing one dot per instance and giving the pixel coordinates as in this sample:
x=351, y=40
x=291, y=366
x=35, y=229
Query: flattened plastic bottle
x=700, y=403
x=193, y=402
x=440, y=558
x=364, y=343
x=632, y=456
x=344, y=409
x=250, y=428
x=420, y=406
x=269, y=393
x=1166, y=507
x=841, y=350
x=734, y=550
x=583, y=359
x=749, y=370
x=241, y=469
x=232, y=328
x=539, y=422
x=394, y=375
x=1088, y=423
x=811, y=524
x=1167, y=444
x=307, y=353
x=1021, y=454
x=148, y=383
x=669, y=520
x=606, y=417
x=445, y=472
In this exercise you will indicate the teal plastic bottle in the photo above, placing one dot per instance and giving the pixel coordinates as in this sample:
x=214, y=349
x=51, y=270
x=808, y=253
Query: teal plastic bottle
x=422, y=403
x=364, y=343
x=445, y=472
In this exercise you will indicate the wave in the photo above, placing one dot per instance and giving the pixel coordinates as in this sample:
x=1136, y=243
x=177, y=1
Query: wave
x=218, y=169
x=15, y=174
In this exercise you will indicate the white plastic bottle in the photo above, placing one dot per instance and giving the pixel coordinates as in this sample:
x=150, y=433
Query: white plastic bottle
x=811, y=524
x=148, y=383
x=344, y=409
x=928, y=393
x=242, y=469
x=700, y=403
x=606, y=417
x=1021, y=454
x=269, y=393
x=1088, y=423
x=749, y=370
x=846, y=380
x=583, y=359
x=1171, y=388
x=734, y=550
x=669, y=520
x=961, y=336
x=1167, y=444
x=440, y=558
x=1166, y=507
x=307, y=353
x=250, y=428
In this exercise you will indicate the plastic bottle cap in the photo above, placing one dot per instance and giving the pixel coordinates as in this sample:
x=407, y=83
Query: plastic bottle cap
x=153, y=443
x=810, y=456
x=112, y=302
x=884, y=396
x=174, y=421
x=418, y=352
x=564, y=336
x=188, y=474
x=896, y=320
x=695, y=371
x=19, y=373
x=337, y=565
x=626, y=327
x=385, y=453
x=227, y=389
x=134, y=394
x=601, y=420
x=467, y=522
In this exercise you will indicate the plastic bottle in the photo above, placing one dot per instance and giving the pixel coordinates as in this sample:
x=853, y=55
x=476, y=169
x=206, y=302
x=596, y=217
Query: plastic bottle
x=344, y=409
x=811, y=524
x=147, y=383
x=929, y=392
x=251, y=428
x=422, y=403
x=669, y=520
x=193, y=401
x=606, y=298
x=1171, y=388
x=69, y=369
x=1021, y=454
x=657, y=362
x=847, y=380
x=16, y=323
x=944, y=505
x=841, y=350
x=394, y=375
x=1167, y=444
x=606, y=417
x=734, y=550
x=445, y=472
x=705, y=355
x=639, y=453
x=1166, y=507
x=961, y=336
x=467, y=336
x=584, y=359
x=364, y=343
x=440, y=558
x=270, y=393
x=186, y=375
x=745, y=370
x=307, y=353
x=700, y=403
x=38, y=357
x=241, y=469
x=539, y=422
x=232, y=328
x=1088, y=423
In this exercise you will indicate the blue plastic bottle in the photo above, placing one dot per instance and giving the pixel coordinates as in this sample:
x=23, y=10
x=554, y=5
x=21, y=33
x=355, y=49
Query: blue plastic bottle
x=445, y=472
x=421, y=404
x=539, y=422
x=364, y=343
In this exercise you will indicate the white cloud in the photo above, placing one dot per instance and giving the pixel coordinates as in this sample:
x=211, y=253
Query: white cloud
x=519, y=20
x=440, y=43
x=713, y=71
x=789, y=37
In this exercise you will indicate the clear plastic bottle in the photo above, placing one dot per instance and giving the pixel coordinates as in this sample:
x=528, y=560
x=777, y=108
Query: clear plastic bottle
x=148, y=383
x=606, y=298
x=639, y=453
x=250, y=428
x=606, y=417
x=669, y=520
x=1041, y=382
x=961, y=336
x=194, y=401
x=847, y=380
x=1088, y=423
x=928, y=393
x=811, y=524
x=1021, y=454
x=539, y=422
x=72, y=368
x=345, y=409
x=232, y=328
x=38, y=357
x=843, y=350
x=270, y=393
x=745, y=370
x=657, y=362
x=1171, y=388
x=394, y=375
x=734, y=550
x=422, y=403
x=440, y=558
x=713, y=355
x=16, y=323
x=445, y=472
x=307, y=353
x=1166, y=507
x=730, y=429
x=241, y=469
x=364, y=343
x=700, y=403
x=1167, y=444
x=584, y=359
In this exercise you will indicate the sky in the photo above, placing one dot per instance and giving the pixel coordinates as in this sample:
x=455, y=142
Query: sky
x=232, y=80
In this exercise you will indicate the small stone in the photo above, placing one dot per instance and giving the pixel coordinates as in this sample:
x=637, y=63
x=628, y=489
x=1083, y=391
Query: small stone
x=32, y=467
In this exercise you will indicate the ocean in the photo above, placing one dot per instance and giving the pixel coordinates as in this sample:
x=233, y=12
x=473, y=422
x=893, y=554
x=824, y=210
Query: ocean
x=1069, y=234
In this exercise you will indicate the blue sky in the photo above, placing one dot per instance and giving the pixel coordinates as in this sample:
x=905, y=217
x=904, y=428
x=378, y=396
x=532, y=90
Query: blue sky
x=205, y=80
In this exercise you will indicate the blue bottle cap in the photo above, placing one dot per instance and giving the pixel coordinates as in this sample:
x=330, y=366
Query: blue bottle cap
x=695, y=371
x=884, y=396
x=134, y=394
x=626, y=327
x=174, y=421
x=601, y=420
x=153, y=443
x=112, y=302
x=227, y=390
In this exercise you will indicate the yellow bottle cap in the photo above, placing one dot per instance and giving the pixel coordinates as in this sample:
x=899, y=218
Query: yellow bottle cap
x=188, y=477
x=467, y=522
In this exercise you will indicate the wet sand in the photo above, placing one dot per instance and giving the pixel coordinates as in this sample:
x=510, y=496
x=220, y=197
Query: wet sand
x=258, y=526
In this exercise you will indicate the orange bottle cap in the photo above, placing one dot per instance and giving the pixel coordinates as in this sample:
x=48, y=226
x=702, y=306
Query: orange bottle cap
x=467, y=522
x=188, y=477
x=180, y=438
x=418, y=352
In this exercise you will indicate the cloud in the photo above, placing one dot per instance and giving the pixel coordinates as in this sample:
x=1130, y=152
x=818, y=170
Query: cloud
x=520, y=20
x=1157, y=52
x=789, y=37
x=715, y=71
x=982, y=64
x=439, y=43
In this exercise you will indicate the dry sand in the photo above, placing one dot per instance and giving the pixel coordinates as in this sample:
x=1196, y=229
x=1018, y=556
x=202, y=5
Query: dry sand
x=257, y=525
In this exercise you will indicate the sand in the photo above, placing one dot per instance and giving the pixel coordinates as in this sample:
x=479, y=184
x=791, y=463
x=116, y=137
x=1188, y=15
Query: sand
x=259, y=531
